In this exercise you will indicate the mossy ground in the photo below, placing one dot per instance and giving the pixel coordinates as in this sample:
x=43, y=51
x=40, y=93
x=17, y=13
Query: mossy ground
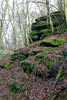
x=52, y=43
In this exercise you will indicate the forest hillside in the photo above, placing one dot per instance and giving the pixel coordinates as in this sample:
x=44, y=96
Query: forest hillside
x=39, y=70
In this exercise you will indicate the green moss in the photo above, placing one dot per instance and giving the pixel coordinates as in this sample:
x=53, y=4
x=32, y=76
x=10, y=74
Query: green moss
x=45, y=33
x=27, y=66
x=39, y=26
x=66, y=29
x=47, y=49
x=38, y=57
x=52, y=43
x=35, y=32
x=15, y=87
x=37, y=35
x=59, y=73
x=7, y=66
x=21, y=57
x=13, y=57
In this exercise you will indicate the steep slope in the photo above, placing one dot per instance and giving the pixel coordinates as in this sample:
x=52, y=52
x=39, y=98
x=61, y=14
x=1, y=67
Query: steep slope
x=36, y=72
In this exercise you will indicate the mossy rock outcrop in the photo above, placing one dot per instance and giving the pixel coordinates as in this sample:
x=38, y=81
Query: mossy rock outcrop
x=38, y=35
x=39, y=26
x=40, y=29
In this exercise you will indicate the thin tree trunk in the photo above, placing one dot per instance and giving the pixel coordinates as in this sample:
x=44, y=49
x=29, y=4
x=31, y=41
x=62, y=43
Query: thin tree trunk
x=51, y=24
x=48, y=12
x=66, y=10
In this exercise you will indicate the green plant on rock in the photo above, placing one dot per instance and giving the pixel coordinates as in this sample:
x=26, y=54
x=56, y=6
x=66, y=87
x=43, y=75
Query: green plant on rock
x=15, y=87
x=52, y=43
x=27, y=66
x=38, y=57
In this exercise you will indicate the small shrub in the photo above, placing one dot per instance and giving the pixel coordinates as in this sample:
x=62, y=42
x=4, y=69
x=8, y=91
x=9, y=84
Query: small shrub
x=27, y=66
x=21, y=57
x=15, y=87
x=50, y=61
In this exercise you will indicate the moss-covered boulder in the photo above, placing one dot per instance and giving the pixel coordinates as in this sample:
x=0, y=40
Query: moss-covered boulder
x=52, y=43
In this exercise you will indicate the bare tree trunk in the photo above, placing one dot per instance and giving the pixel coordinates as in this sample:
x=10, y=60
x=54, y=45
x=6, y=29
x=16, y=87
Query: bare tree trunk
x=66, y=10
x=51, y=23
x=48, y=12
x=60, y=5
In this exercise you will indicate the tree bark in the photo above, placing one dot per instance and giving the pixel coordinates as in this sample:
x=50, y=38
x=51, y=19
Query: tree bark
x=66, y=10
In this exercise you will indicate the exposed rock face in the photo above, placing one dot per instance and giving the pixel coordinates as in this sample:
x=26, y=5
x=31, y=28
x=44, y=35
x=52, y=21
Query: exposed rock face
x=41, y=30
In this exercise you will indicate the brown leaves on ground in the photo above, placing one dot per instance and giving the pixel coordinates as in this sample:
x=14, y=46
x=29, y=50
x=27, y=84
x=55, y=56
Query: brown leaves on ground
x=35, y=87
